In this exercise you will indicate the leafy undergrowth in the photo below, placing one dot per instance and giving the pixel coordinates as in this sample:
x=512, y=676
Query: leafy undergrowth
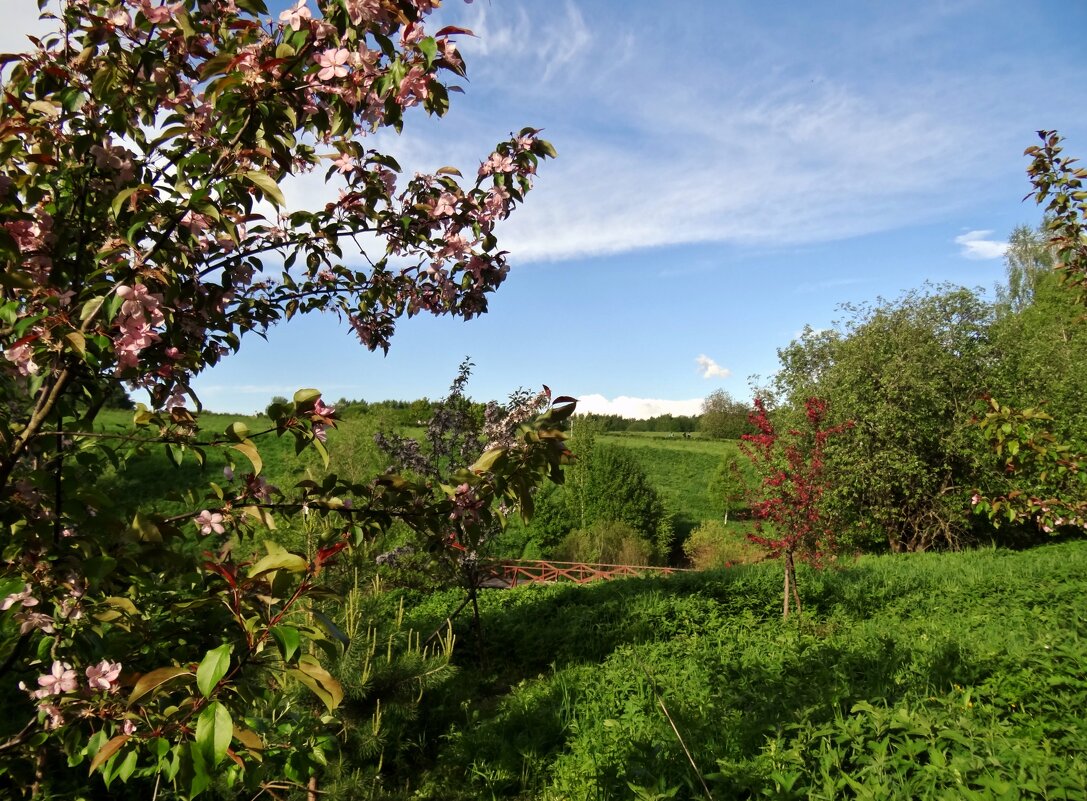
x=945, y=676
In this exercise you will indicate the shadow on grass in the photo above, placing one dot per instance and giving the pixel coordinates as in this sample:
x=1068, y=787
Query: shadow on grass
x=575, y=673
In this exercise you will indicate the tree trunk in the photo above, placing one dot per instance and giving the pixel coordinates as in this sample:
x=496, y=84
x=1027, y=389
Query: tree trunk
x=790, y=586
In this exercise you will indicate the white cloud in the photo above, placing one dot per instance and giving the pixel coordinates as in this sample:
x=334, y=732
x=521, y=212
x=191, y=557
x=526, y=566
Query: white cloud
x=637, y=408
x=711, y=369
x=977, y=245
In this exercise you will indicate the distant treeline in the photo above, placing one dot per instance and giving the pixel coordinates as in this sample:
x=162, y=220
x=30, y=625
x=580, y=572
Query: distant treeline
x=408, y=414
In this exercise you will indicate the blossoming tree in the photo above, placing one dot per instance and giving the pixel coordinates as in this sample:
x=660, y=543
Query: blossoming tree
x=144, y=232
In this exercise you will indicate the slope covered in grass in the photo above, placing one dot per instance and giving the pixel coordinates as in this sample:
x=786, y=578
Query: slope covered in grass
x=922, y=677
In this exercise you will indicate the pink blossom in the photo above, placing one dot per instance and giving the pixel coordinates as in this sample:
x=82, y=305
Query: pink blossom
x=388, y=179
x=455, y=245
x=294, y=15
x=53, y=713
x=119, y=18
x=332, y=63
x=412, y=33
x=138, y=300
x=128, y=727
x=258, y=487
x=210, y=522
x=496, y=204
x=35, y=620
x=23, y=358
x=60, y=679
x=345, y=163
x=413, y=88
x=160, y=14
x=104, y=676
x=115, y=158
x=195, y=223
x=360, y=11
x=445, y=205
x=975, y=499
x=449, y=52
x=23, y=598
x=496, y=163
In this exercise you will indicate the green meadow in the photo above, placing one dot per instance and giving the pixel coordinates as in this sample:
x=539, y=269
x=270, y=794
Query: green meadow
x=926, y=676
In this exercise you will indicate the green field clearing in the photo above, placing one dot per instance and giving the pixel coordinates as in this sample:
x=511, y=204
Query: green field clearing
x=932, y=676
x=680, y=469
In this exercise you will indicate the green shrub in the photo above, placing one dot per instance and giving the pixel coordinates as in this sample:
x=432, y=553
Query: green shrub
x=608, y=542
x=715, y=544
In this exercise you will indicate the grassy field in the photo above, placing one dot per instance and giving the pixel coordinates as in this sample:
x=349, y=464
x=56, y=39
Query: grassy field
x=680, y=469
x=940, y=676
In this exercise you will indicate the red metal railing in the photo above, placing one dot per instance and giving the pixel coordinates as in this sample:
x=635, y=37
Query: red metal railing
x=514, y=572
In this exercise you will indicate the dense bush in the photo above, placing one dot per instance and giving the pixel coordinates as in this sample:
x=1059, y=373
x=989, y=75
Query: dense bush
x=716, y=544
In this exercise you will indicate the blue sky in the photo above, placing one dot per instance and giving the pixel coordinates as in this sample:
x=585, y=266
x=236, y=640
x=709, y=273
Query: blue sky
x=728, y=173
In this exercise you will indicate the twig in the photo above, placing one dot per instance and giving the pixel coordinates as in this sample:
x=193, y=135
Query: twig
x=672, y=723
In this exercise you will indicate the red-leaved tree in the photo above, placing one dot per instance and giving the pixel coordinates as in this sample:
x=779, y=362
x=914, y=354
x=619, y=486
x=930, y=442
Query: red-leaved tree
x=788, y=507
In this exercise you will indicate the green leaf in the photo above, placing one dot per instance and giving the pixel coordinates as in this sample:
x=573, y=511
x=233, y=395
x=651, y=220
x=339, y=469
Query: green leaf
x=288, y=640
x=154, y=679
x=124, y=195
x=78, y=342
x=278, y=558
x=212, y=668
x=321, y=449
x=124, y=771
x=325, y=622
x=319, y=681
x=261, y=515
x=250, y=739
x=487, y=461
x=237, y=432
x=108, y=750
x=304, y=398
x=249, y=450
x=175, y=453
x=214, y=728
x=267, y=185
x=91, y=308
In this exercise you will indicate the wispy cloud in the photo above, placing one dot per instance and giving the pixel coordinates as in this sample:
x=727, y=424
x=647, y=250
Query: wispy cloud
x=637, y=408
x=978, y=245
x=711, y=369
